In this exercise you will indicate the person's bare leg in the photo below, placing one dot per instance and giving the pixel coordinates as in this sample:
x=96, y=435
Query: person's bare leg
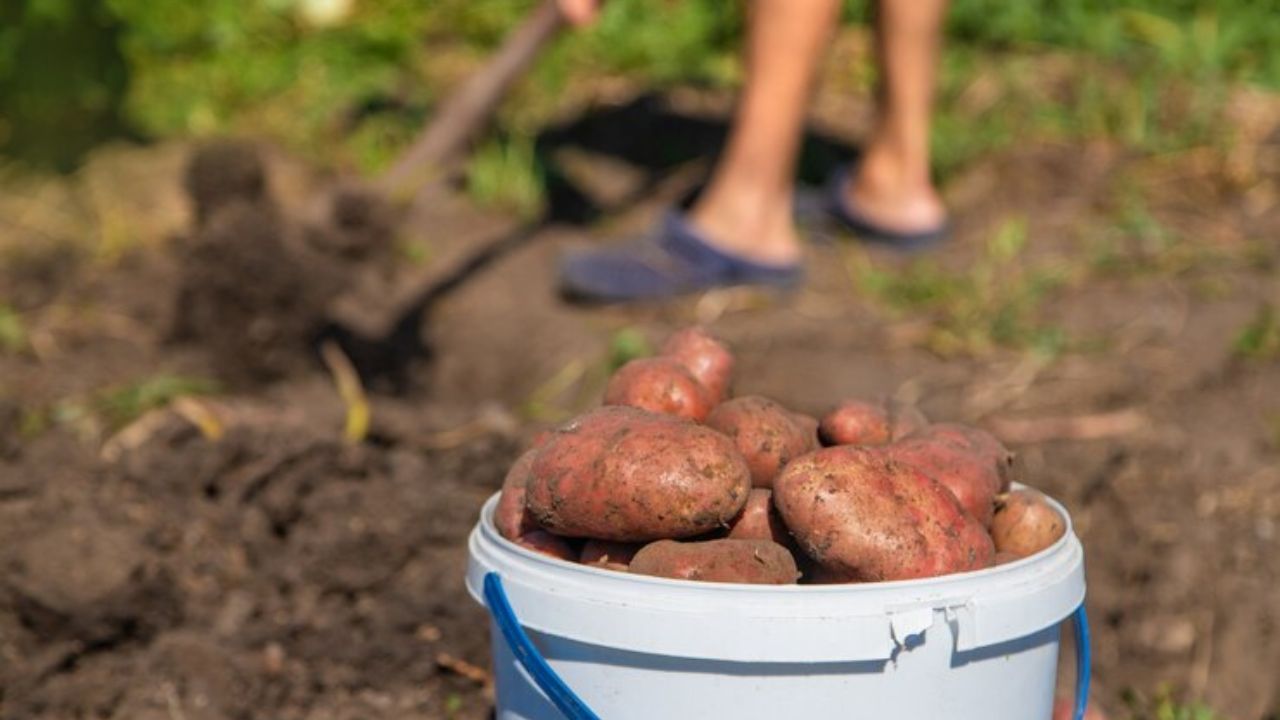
x=747, y=207
x=893, y=187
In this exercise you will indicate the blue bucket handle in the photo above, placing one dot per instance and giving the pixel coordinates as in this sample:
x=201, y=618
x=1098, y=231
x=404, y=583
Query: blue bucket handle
x=573, y=708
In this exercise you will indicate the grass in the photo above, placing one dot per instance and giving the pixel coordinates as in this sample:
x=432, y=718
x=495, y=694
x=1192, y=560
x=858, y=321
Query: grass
x=997, y=303
x=1259, y=339
x=13, y=332
x=626, y=345
x=504, y=174
x=1163, y=706
x=109, y=409
x=352, y=89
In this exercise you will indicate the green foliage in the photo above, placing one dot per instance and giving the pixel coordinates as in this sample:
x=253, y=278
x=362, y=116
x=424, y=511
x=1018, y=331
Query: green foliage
x=1235, y=38
x=1260, y=338
x=626, y=345
x=996, y=303
x=1164, y=706
x=118, y=406
x=351, y=88
x=505, y=174
x=61, y=79
x=13, y=333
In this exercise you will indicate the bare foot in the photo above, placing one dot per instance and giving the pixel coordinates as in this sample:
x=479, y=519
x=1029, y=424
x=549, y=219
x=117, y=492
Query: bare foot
x=889, y=198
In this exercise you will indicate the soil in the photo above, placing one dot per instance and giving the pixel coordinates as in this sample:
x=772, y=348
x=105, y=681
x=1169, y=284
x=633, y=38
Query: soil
x=237, y=557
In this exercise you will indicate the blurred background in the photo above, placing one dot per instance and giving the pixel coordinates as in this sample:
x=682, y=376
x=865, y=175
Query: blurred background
x=236, y=473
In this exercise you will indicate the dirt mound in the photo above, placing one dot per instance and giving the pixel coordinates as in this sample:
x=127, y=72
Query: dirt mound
x=257, y=280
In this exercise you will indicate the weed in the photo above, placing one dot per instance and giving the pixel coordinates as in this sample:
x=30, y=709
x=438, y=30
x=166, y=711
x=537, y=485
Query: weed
x=626, y=345
x=118, y=406
x=13, y=332
x=1164, y=706
x=1259, y=339
x=505, y=174
x=996, y=303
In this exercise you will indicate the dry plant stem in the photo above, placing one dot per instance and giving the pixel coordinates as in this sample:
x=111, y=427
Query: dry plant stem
x=462, y=668
x=350, y=390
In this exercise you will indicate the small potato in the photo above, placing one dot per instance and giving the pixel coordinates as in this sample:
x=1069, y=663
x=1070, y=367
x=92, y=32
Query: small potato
x=609, y=555
x=970, y=477
x=759, y=520
x=623, y=474
x=1025, y=523
x=759, y=562
x=855, y=422
x=511, y=517
x=863, y=516
x=766, y=434
x=659, y=385
x=980, y=442
x=705, y=357
x=541, y=541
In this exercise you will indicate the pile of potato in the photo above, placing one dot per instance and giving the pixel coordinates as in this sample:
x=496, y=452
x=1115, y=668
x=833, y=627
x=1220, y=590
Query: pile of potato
x=674, y=478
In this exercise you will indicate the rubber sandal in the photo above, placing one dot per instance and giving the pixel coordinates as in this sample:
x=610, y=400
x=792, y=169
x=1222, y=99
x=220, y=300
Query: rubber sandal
x=851, y=219
x=674, y=260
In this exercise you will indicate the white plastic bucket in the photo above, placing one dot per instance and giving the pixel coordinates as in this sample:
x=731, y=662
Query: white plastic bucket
x=973, y=646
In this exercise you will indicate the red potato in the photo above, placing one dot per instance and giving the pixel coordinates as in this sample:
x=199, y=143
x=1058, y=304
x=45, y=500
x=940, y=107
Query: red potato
x=980, y=442
x=609, y=555
x=973, y=479
x=659, y=385
x=511, y=517
x=541, y=541
x=766, y=434
x=706, y=358
x=627, y=475
x=1025, y=523
x=737, y=561
x=759, y=520
x=855, y=422
x=864, y=517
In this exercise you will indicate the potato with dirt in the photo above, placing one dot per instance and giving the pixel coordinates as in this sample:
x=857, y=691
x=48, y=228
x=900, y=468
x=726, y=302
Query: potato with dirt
x=855, y=422
x=759, y=562
x=659, y=385
x=768, y=435
x=759, y=520
x=511, y=516
x=628, y=475
x=973, y=479
x=516, y=523
x=979, y=442
x=1025, y=523
x=609, y=555
x=865, y=517
x=706, y=358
